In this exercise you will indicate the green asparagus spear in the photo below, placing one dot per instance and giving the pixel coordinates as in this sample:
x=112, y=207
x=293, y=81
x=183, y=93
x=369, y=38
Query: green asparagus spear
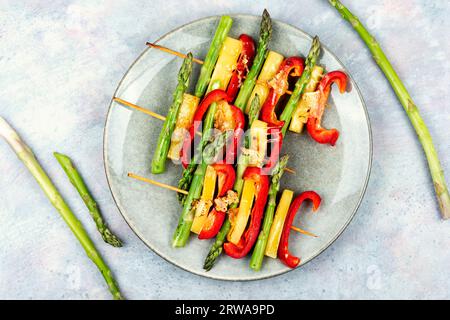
x=216, y=249
x=187, y=215
x=255, y=108
x=25, y=154
x=265, y=34
x=78, y=182
x=260, y=246
x=300, y=85
x=437, y=173
x=162, y=148
x=253, y=115
x=211, y=57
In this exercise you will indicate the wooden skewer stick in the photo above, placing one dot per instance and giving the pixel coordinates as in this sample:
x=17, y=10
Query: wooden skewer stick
x=156, y=183
x=166, y=186
x=182, y=55
x=289, y=170
x=303, y=231
x=129, y=104
x=175, y=53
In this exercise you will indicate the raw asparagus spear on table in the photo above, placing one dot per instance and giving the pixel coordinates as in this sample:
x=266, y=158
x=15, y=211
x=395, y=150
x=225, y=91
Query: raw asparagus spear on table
x=437, y=173
x=25, y=154
x=78, y=182
x=162, y=147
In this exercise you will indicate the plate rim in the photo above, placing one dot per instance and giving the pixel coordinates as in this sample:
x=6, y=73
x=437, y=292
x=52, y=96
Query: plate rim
x=205, y=273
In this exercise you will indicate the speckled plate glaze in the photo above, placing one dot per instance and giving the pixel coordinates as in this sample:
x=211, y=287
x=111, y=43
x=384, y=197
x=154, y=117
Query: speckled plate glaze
x=338, y=174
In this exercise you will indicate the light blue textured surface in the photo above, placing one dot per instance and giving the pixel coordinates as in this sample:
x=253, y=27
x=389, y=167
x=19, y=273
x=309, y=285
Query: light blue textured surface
x=60, y=62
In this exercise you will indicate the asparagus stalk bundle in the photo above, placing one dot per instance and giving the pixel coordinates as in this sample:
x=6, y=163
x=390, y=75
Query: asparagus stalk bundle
x=78, y=182
x=25, y=154
x=437, y=174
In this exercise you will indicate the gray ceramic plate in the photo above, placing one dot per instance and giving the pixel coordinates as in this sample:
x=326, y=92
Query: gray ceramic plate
x=338, y=174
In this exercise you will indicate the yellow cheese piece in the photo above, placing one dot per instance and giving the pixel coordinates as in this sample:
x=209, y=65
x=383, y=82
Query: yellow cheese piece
x=309, y=97
x=268, y=71
x=205, y=203
x=245, y=206
x=184, y=121
x=278, y=223
x=226, y=63
x=258, y=143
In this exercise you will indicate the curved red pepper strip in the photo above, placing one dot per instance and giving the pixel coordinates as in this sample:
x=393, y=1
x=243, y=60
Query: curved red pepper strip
x=276, y=140
x=214, y=221
x=316, y=132
x=321, y=135
x=213, y=96
x=212, y=224
x=283, y=249
x=226, y=177
x=243, y=66
x=251, y=234
x=290, y=66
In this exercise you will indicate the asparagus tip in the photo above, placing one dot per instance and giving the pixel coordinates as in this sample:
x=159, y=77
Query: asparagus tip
x=111, y=239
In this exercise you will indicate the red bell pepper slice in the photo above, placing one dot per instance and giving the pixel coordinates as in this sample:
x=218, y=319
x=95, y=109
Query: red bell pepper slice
x=213, y=223
x=251, y=234
x=276, y=141
x=213, y=96
x=283, y=249
x=291, y=66
x=319, y=134
x=226, y=176
x=243, y=66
